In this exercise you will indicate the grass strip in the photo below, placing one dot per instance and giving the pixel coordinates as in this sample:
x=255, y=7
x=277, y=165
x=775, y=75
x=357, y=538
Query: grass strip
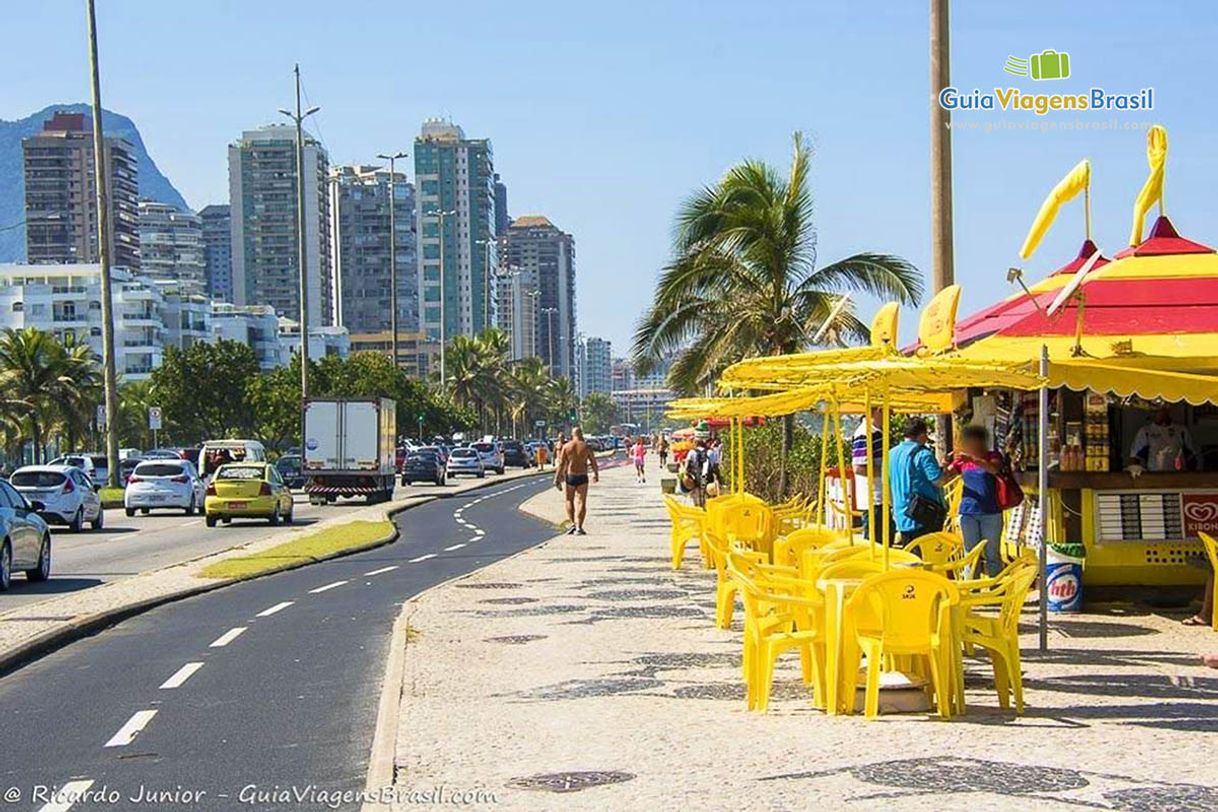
x=312, y=547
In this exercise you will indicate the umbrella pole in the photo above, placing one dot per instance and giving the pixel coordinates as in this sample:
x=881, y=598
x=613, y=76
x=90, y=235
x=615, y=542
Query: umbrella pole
x=869, y=496
x=740, y=445
x=847, y=493
x=821, y=496
x=1042, y=496
x=886, y=498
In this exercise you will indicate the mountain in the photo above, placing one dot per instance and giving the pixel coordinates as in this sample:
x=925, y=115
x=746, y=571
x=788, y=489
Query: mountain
x=153, y=184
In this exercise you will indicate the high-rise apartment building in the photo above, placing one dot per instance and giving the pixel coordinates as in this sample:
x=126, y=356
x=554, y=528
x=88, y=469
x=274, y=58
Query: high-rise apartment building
x=537, y=249
x=361, y=250
x=61, y=196
x=171, y=246
x=594, y=363
x=516, y=296
x=502, y=221
x=262, y=193
x=218, y=250
x=454, y=186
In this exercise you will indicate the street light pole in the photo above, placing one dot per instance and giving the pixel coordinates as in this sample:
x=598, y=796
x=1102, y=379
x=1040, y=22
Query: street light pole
x=393, y=254
x=301, y=255
x=101, y=181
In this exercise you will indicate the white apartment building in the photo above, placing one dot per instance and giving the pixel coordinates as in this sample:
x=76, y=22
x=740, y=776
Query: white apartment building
x=323, y=341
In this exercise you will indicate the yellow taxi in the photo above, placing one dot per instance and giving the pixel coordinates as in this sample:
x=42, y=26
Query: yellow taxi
x=247, y=490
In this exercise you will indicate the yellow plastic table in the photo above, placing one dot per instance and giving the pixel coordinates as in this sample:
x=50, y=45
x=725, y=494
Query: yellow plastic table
x=839, y=683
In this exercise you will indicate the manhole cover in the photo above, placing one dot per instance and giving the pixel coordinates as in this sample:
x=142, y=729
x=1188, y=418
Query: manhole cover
x=515, y=639
x=570, y=782
x=488, y=585
x=509, y=601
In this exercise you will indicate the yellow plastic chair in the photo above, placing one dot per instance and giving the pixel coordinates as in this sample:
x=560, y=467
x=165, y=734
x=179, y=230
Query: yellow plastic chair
x=1211, y=550
x=953, y=494
x=999, y=634
x=904, y=613
x=788, y=548
x=725, y=588
x=895, y=555
x=687, y=525
x=749, y=522
x=964, y=568
x=780, y=613
x=939, y=548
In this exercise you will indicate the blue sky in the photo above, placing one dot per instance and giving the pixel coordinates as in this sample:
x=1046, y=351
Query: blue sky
x=604, y=116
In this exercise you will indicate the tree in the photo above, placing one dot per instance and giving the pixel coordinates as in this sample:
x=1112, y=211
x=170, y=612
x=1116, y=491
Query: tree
x=202, y=390
x=599, y=413
x=744, y=279
x=562, y=402
x=44, y=384
x=135, y=398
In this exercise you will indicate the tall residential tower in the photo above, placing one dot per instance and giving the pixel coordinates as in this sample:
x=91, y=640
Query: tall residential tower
x=218, y=250
x=545, y=256
x=171, y=246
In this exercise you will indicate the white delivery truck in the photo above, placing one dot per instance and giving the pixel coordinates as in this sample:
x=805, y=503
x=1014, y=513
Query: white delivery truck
x=349, y=448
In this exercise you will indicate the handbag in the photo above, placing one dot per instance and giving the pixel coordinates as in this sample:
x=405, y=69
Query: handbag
x=922, y=510
x=1008, y=494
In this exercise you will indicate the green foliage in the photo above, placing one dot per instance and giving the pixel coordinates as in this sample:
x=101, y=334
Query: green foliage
x=763, y=460
x=599, y=413
x=202, y=391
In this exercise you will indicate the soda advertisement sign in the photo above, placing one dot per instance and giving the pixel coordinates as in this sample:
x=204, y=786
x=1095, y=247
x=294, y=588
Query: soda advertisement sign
x=1200, y=514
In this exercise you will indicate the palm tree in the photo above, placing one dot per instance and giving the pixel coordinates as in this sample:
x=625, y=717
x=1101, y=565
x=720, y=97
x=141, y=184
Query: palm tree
x=35, y=369
x=527, y=391
x=744, y=279
x=561, y=400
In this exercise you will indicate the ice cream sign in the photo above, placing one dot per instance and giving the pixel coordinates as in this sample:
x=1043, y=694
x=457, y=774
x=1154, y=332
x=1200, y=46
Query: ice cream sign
x=1047, y=66
x=1200, y=514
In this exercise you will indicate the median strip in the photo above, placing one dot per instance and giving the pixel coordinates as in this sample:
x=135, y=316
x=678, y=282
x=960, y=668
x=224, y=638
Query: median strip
x=310, y=547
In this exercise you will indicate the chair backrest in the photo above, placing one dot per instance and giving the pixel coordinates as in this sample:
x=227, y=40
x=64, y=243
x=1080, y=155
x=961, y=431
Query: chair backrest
x=937, y=548
x=1211, y=549
x=1017, y=586
x=901, y=607
x=895, y=555
x=791, y=547
x=851, y=568
x=747, y=521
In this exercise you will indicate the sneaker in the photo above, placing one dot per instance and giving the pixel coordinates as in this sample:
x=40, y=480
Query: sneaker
x=579, y=531
x=571, y=530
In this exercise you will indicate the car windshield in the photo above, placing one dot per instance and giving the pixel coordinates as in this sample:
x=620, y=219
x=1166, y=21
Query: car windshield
x=240, y=472
x=159, y=469
x=37, y=479
x=464, y=452
x=423, y=455
x=100, y=462
x=484, y=448
x=75, y=462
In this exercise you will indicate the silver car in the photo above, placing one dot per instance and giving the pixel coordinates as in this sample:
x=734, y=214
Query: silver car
x=164, y=484
x=66, y=493
x=465, y=461
x=25, y=540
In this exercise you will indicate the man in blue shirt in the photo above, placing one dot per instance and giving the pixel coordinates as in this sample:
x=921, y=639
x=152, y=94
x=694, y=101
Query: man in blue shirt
x=913, y=469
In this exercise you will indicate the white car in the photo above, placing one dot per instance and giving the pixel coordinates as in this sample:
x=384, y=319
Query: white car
x=96, y=466
x=164, y=484
x=491, y=452
x=465, y=461
x=66, y=494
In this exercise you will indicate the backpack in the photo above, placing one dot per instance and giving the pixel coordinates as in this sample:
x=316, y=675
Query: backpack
x=691, y=475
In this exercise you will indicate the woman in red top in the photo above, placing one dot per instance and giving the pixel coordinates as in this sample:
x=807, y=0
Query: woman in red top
x=980, y=516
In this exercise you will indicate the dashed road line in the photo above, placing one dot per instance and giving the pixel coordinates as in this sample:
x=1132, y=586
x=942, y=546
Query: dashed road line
x=279, y=607
x=326, y=588
x=127, y=733
x=180, y=676
x=381, y=571
x=452, y=547
x=422, y=558
x=228, y=637
x=67, y=795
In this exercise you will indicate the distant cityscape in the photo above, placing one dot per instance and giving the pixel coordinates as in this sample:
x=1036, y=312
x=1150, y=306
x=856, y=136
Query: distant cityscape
x=230, y=270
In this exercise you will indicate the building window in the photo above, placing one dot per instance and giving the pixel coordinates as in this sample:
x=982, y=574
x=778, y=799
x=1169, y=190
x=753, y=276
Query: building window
x=18, y=307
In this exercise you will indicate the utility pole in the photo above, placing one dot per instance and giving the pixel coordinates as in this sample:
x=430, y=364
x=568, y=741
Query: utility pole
x=101, y=181
x=443, y=220
x=942, y=259
x=301, y=253
x=393, y=254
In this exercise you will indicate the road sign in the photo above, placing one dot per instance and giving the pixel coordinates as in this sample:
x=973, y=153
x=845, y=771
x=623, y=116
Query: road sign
x=539, y=424
x=154, y=418
x=101, y=416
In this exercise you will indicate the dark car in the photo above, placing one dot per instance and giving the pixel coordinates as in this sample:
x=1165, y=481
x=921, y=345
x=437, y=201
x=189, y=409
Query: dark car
x=516, y=454
x=125, y=467
x=424, y=465
x=291, y=470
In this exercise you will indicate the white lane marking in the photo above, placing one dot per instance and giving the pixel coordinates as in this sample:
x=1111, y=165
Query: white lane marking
x=422, y=558
x=228, y=637
x=326, y=587
x=67, y=795
x=478, y=531
x=453, y=547
x=279, y=607
x=127, y=733
x=381, y=571
x=180, y=676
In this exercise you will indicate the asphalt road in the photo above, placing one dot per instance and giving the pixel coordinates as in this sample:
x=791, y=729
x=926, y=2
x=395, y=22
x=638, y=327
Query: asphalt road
x=128, y=546
x=179, y=700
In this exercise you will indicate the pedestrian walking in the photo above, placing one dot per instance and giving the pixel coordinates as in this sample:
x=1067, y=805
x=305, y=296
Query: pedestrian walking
x=662, y=451
x=860, y=447
x=694, y=473
x=980, y=515
x=639, y=454
x=573, y=465
x=915, y=480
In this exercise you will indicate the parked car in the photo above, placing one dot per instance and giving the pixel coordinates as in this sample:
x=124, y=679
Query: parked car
x=491, y=453
x=516, y=454
x=465, y=461
x=163, y=454
x=291, y=468
x=125, y=467
x=25, y=539
x=65, y=492
x=439, y=450
x=424, y=466
x=164, y=484
x=82, y=461
x=247, y=490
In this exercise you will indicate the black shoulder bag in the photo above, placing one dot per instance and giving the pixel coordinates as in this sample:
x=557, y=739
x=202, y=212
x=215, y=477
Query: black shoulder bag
x=921, y=510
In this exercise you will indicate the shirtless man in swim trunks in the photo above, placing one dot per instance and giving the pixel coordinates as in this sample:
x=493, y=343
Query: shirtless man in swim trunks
x=574, y=460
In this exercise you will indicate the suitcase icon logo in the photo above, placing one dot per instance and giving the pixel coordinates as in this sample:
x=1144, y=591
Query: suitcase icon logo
x=1047, y=64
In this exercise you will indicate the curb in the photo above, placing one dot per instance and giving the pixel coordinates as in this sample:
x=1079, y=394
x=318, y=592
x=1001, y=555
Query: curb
x=53, y=639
